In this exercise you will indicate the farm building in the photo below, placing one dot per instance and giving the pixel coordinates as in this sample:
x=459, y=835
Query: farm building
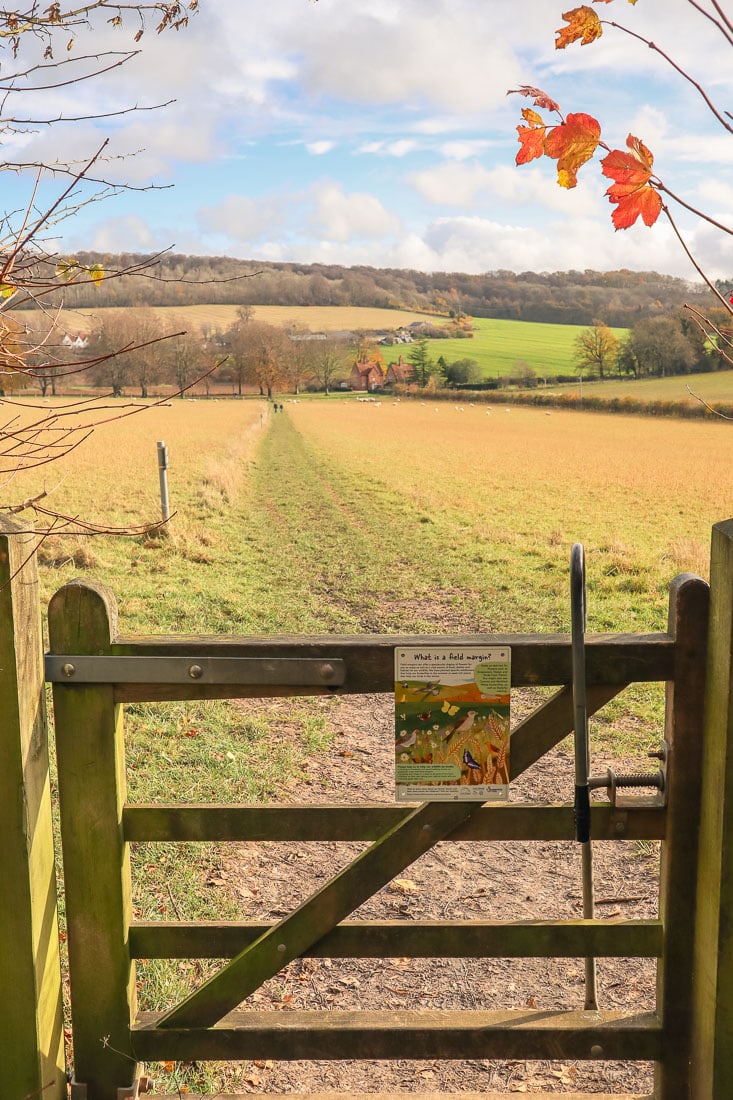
x=366, y=374
x=399, y=373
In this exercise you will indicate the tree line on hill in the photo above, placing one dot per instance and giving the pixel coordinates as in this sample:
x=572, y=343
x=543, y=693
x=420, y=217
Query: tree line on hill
x=134, y=349
x=564, y=297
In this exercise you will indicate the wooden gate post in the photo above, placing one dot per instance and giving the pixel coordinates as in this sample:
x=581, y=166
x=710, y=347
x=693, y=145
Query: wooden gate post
x=685, y=694
x=712, y=1002
x=91, y=766
x=31, y=1013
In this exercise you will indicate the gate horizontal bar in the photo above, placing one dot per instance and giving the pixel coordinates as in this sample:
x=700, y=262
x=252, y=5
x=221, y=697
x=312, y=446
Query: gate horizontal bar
x=512, y=821
x=611, y=659
x=512, y=1033
x=566, y=939
x=290, y=671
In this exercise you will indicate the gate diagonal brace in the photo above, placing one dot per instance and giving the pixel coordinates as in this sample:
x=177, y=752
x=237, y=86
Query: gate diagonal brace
x=423, y=827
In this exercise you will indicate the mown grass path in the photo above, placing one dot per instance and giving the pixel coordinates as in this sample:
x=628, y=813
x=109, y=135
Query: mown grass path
x=334, y=549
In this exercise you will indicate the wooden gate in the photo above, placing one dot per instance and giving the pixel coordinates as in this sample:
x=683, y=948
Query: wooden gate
x=95, y=672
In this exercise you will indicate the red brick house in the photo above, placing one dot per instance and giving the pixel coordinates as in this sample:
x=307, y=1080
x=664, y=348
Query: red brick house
x=366, y=375
x=399, y=373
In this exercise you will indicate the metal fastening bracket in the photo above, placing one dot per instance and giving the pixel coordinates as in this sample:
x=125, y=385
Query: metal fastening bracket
x=299, y=671
x=656, y=781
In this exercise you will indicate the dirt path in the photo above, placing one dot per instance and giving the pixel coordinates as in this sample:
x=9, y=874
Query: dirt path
x=454, y=881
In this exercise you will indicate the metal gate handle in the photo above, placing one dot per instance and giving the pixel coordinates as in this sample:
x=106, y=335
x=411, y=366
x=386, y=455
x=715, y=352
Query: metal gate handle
x=580, y=709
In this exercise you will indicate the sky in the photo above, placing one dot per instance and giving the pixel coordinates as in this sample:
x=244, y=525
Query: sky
x=380, y=132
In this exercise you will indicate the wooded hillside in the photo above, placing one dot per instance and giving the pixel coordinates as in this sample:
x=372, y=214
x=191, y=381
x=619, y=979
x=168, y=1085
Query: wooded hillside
x=619, y=298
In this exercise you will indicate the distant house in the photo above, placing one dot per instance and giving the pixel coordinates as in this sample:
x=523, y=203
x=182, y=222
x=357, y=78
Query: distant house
x=366, y=375
x=399, y=373
x=77, y=341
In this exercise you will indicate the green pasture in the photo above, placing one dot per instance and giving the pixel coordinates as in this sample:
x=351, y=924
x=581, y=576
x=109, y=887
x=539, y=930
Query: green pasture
x=714, y=387
x=497, y=346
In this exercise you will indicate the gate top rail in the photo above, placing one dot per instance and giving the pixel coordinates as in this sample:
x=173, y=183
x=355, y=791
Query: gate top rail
x=191, y=667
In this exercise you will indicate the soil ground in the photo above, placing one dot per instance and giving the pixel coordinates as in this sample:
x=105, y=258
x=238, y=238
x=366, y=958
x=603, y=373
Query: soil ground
x=521, y=880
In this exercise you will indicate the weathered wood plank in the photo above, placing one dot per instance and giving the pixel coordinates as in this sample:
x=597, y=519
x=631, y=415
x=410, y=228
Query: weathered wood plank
x=712, y=1005
x=424, y=826
x=413, y=939
x=612, y=659
x=688, y=625
x=507, y=821
x=31, y=1020
x=513, y=1033
x=91, y=777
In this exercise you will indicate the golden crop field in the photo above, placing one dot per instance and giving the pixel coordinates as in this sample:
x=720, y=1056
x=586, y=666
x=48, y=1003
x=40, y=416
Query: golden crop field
x=360, y=516
x=221, y=317
x=112, y=479
x=521, y=485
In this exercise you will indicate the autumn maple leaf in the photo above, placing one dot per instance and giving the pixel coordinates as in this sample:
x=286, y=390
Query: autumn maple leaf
x=632, y=192
x=571, y=144
x=531, y=137
x=583, y=25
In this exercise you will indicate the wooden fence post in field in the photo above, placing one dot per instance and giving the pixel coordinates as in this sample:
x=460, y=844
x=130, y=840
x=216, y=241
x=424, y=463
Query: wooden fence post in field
x=712, y=1002
x=31, y=1015
x=91, y=777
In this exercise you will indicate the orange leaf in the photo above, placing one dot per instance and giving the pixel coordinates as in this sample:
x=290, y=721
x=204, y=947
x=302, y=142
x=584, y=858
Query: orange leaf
x=583, y=24
x=645, y=202
x=632, y=192
x=571, y=144
x=532, y=140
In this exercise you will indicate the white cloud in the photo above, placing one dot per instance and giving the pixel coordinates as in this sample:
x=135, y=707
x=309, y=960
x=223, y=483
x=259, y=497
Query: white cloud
x=445, y=53
x=127, y=233
x=719, y=194
x=341, y=217
x=241, y=218
x=382, y=148
x=400, y=148
x=457, y=184
x=318, y=148
x=463, y=150
x=452, y=183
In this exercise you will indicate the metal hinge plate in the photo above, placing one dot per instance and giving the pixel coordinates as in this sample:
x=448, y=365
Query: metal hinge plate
x=287, y=671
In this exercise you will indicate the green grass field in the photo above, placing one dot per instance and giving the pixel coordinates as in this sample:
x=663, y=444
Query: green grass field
x=716, y=386
x=498, y=346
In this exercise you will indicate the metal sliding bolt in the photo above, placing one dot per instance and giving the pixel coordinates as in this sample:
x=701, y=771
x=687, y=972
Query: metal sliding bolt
x=195, y=672
x=68, y=670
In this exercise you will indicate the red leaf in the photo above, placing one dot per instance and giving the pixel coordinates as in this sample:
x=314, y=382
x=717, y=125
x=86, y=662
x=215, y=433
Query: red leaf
x=531, y=138
x=571, y=144
x=632, y=192
x=583, y=25
x=541, y=99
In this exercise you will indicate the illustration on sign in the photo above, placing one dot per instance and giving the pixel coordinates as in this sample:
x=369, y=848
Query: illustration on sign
x=452, y=723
